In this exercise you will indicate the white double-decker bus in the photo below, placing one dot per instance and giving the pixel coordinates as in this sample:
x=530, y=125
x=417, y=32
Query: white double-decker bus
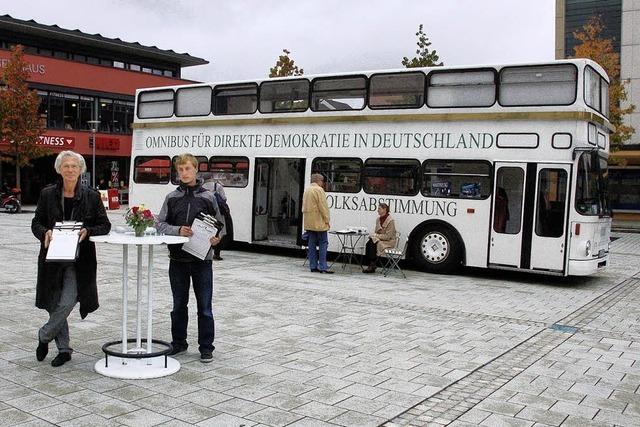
x=494, y=166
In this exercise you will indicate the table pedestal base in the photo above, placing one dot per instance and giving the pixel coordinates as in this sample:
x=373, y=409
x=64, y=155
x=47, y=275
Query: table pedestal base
x=137, y=369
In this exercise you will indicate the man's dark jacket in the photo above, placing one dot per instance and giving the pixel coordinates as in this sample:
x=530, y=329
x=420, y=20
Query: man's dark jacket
x=88, y=209
x=181, y=207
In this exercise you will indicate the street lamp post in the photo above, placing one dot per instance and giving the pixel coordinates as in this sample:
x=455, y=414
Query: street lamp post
x=94, y=127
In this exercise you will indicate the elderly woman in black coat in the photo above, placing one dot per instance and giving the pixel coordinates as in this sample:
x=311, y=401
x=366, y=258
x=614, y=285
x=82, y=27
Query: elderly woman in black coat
x=61, y=285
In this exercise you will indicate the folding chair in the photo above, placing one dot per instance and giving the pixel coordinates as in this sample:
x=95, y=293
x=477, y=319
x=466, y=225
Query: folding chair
x=393, y=257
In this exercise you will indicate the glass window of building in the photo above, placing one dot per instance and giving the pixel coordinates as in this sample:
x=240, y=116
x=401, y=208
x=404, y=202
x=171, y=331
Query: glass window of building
x=167, y=73
x=71, y=111
x=79, y=57
x=134, y=67
x=118, y=64
x=391, y=176
x=105, y=115
x=55, y=119
x=338, y=93
x=396, y=90
x=87, y=106
x=93, y=60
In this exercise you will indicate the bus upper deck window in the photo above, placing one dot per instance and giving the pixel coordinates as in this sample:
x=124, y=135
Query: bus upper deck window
x=604, y=97
x=235, y=99
x=284, y=97
x=397, y=90
x=472, y=88
x=193, y=101
x=341, y=93
x=538, y=85
x=155, y=104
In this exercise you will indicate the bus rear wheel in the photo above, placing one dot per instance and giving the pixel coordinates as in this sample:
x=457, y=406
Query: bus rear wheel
x=437, y=249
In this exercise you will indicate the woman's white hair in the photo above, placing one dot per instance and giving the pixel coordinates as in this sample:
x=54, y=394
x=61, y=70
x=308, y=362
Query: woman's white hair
x=68, y=153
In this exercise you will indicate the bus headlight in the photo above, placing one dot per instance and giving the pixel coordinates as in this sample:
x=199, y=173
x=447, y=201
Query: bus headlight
x=588, y=248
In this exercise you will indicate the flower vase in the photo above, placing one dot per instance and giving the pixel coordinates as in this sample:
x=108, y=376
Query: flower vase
x=140, y=230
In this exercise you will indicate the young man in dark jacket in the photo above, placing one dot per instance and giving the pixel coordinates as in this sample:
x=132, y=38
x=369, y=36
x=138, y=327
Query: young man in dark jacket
x=179, y=209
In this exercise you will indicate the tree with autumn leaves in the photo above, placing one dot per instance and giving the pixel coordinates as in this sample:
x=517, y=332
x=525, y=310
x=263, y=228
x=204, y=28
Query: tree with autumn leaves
x=20, y=124
x=594, y=47
x=285, y=66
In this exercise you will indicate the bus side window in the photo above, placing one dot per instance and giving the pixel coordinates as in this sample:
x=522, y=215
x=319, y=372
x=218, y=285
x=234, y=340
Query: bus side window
x=152, y=170
x=391, y=176
x=284, y=97
x=342, y=175
x=397, y=90
x=229, y=171
x=456, y=179
x=552, y=197
x=235, y=99
x=341, y=93
x=507, y=211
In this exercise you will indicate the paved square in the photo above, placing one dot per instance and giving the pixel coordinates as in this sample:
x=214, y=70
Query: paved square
x=295, y=348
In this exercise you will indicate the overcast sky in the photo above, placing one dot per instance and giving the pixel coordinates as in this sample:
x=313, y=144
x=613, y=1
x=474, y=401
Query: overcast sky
x=241, y=38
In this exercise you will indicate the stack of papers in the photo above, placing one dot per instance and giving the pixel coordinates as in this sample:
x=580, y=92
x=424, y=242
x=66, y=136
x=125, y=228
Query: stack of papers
x=64, y=243
x=204, y=228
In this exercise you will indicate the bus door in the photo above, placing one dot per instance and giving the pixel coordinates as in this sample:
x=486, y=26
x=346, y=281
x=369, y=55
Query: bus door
x=508, y=207
x=549, y=228
x=277, y=202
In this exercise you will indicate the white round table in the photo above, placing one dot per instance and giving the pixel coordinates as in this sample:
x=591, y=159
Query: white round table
x=137, y=362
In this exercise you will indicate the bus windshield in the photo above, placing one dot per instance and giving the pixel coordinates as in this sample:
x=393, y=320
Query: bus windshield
x=591, y=185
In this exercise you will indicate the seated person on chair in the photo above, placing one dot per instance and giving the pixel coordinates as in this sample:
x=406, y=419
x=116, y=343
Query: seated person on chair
x=384, y=237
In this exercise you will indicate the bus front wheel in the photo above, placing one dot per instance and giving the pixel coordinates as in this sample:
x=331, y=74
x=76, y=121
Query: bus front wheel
x=437, y=249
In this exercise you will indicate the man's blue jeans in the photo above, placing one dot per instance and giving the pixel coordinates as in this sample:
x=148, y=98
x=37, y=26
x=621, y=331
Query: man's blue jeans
x=180, y=276
x=319, y=239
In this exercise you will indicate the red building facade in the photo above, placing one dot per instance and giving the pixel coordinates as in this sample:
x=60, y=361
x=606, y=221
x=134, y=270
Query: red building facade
x=82, y=78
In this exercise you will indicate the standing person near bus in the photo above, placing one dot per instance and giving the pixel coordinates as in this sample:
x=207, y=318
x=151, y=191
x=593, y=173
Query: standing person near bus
x=221, y=198
x=316, y=223
x=61, y=285
x=178, y=211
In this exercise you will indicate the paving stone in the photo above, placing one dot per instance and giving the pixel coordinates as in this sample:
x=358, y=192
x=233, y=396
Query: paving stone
x=191, y=413
x=12, y=417
x=59, y=413
x=357, y=419
x=226, y=420
x=542, y=416
x=142, y=418
x=319, y=411
x=274, y=417
x=238, y=407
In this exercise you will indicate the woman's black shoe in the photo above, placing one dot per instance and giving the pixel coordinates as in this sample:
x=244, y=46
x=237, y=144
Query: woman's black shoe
x=60, y=359
x=42, y=350
x=326, y=271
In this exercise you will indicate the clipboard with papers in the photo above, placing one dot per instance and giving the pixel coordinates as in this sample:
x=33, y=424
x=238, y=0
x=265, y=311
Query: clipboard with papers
x=64, y=242
x=204, y=227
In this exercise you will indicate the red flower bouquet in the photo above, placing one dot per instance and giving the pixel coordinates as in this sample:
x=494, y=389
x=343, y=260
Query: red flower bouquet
x=139, y=218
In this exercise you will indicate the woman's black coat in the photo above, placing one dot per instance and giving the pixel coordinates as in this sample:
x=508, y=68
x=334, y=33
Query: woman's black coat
x=88, y=209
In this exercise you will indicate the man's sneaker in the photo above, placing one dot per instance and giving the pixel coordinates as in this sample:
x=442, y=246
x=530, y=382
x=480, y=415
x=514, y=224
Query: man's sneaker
x=206, y=357
x=177, y=349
